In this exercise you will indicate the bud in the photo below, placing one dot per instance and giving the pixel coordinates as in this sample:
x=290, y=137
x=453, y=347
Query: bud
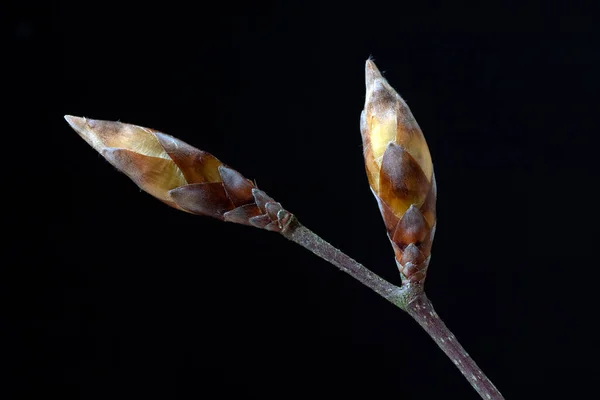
x=180, y=175
x=400, y=173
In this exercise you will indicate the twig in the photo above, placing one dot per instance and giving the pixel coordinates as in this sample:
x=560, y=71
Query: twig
x=298, y=233
x=422, y=311
x=410, y=298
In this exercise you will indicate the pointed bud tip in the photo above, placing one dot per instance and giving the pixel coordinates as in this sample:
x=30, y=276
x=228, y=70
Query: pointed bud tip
x=82, y=124
x=75, y=122
x=371, y=73
x=85, y=129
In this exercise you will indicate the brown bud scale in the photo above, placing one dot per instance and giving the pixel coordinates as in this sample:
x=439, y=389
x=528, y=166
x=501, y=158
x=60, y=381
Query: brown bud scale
x=181, y=175
x=400, y=173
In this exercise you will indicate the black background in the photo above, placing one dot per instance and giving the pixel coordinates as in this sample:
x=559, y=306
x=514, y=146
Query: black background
x=107, y=293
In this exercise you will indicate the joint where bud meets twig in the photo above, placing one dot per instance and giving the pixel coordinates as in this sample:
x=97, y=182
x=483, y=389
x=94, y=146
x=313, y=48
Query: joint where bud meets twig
x=180, y=175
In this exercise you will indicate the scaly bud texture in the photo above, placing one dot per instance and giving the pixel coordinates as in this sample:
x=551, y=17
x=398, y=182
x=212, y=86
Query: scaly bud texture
x=180, y=175
x=400, y=173
x=399, y=170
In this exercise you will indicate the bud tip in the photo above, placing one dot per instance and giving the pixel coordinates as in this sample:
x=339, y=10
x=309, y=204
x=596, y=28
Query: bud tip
x=75, y=122
x=84, y=128
x=371, y=73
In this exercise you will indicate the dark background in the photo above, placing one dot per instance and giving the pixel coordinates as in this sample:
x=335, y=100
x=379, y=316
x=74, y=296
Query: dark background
x=107, y=293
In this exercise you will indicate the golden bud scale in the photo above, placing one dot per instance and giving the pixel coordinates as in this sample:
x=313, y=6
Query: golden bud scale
x=400, y=173
x=180, y=175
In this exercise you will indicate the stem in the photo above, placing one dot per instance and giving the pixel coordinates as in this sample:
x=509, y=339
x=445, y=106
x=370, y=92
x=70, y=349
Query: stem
x=409, y=298
x=306, y=238
x=422, y=311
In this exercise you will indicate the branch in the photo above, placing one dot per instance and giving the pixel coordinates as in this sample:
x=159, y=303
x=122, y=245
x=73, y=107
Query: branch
x=195, y=181
x=410, y=298
x=422, y=311
x=298, y=233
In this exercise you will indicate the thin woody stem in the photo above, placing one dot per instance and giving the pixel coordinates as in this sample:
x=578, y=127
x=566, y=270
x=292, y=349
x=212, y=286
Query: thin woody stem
x=306, y=238
x=422, y=311
x=411, y=299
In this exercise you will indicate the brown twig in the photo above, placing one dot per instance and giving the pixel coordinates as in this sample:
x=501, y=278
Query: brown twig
x=410, y=298
x=422, y=311
x=298, y=233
